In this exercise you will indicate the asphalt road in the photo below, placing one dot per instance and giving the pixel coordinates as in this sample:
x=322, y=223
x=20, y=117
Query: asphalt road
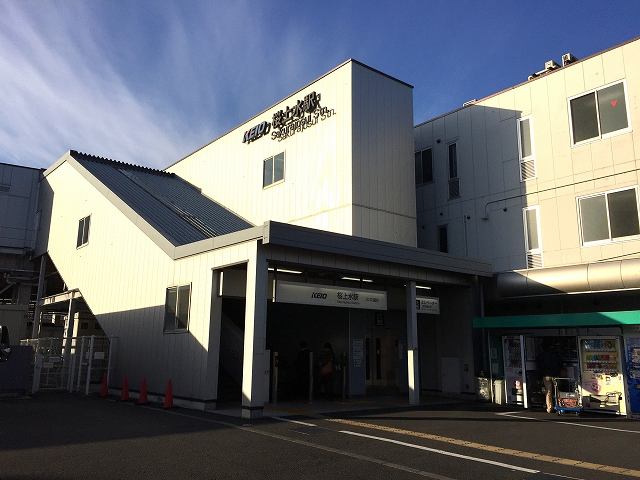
x=70, y=436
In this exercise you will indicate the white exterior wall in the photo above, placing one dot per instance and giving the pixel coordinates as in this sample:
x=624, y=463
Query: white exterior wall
x=123, y=276
x=488, y=167
x=18, y=206
x=383, y=167
x=351, y=173
x=316, y=191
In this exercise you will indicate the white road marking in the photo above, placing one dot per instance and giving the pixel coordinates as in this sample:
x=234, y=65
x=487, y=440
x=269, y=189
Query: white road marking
x=575, y=424
x=295, y=421
x=422, y=473
x=442, y=452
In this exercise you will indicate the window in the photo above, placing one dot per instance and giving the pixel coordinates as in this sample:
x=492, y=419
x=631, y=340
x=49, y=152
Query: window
x=609, y=216
x=176, y=308
x=454, y=181
x=83, y=231
x=424, y=166
x=273, y=170
x=532, y=236
x=599, y=113
x=84, y=326
x=442, y=239
x=525, y=149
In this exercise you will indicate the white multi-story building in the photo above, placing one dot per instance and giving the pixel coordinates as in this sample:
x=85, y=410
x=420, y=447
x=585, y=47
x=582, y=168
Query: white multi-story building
x=542, y=181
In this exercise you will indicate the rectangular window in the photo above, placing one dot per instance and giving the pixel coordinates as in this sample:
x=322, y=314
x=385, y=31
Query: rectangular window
x=443, y=245
x=454, y=181
x=609, y=216
x=532, y=236
x=83, y=231
x=176, y=308
x=599, y=113
x=273, y=170
x=525, y=148
x=424, y=166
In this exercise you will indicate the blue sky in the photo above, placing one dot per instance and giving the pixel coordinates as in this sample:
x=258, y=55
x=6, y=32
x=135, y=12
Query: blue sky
x=148, y=82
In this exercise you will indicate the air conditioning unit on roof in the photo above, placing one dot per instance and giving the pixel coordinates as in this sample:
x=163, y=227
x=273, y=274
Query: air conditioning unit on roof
x=551, y=65
x=568, y=58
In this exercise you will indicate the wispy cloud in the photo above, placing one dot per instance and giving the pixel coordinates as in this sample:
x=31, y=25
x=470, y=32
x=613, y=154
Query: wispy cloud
x=58, y=91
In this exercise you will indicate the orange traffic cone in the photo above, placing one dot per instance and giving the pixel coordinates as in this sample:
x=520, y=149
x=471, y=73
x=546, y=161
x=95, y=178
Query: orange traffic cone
x=104, y=391
x=125, y=390
x=142, y=399
x=168, y=397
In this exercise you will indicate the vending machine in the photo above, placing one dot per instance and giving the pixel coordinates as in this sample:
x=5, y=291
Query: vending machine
x=632, y=344
x=514, y=370
x=601, y=374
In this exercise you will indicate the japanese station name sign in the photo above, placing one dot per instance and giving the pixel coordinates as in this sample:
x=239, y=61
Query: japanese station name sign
x=285, y=123
x=429, y=305
x=329, y=296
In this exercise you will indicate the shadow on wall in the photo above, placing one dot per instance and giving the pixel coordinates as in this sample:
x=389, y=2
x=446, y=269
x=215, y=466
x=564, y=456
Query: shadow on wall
x=145, y=351
x=475, y=156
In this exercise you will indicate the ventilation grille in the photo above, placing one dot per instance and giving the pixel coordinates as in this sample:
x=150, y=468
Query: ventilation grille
x=534, y=260
x=4, y=189
x=528, y=169
x=454, y=188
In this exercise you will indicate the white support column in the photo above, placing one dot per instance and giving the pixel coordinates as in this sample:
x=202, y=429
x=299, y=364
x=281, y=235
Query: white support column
x=71, y=317
x=36, y=314
x=255, y=333
x=213, y=348
x=412, y=345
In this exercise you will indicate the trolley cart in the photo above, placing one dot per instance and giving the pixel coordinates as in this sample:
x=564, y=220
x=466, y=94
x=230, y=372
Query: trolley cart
x=567, y=396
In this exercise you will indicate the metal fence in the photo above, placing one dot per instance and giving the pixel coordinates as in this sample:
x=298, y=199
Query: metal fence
x=77, y=364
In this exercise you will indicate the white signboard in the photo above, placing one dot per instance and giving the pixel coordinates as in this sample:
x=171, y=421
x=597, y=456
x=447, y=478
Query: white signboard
x=430, y=305
x=329, y=296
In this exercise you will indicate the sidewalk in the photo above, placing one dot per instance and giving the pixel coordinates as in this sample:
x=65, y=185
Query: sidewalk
x=322, y=406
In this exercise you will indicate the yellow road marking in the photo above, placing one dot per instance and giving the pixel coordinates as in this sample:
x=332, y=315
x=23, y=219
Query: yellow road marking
x=491, y=448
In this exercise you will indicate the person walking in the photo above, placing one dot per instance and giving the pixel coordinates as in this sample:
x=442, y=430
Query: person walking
x=549, y=365
x=327, y=367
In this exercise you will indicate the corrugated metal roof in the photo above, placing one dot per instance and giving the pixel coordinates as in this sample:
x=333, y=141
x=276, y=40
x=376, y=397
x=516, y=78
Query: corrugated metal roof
x=174, y=207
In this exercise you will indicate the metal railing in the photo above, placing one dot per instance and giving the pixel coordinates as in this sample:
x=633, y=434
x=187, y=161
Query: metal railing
x=77, y=364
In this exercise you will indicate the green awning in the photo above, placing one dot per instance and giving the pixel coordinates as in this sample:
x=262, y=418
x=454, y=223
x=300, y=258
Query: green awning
x=560, y=320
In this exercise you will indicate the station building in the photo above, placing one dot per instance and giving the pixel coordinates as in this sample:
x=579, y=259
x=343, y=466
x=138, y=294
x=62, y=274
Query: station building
x=426, y=255
x=298, y=225
x=541, y=180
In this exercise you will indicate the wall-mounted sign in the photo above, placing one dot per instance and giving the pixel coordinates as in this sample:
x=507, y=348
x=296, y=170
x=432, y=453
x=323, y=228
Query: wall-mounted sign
x=329, y=296
x=285, y=123
x=430, y=305
x=256, y=132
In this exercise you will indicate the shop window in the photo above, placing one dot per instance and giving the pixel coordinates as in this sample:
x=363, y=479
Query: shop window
x=443, y=244
x=176, y=308
x=599, y=113
x=532, y=236
x=83, y=231
x=609, y=216
x=424, y=166
x=454, y=181
x=525, y=149
x=273, y=170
